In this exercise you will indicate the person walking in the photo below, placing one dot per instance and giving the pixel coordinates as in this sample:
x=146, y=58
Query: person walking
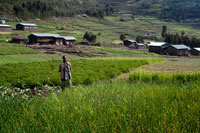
x=65, y=73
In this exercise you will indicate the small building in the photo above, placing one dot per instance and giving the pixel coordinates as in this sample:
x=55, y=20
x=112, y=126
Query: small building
x=178, y=50
x=45, y=39
x=2, y=21
x=19, y=39
x=130, y=42
x=84, y=15
x=158, y=47
x=5, y=28
x=140, y=46
x=69, y=41
x=85, y=42
x=196, y=51
x=23, y=26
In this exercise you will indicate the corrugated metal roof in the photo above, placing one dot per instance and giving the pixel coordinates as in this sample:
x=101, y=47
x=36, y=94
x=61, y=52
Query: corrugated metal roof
x=69, y=38
x=156, y=44
x=25, y=24
x=198, y=49
x=181, y=46
x=133, y=41
x=1, y=25
x=140, y=44
x=47, y=35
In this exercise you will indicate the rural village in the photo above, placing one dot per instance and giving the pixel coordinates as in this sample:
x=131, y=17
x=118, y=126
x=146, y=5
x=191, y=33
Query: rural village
x=51, y=41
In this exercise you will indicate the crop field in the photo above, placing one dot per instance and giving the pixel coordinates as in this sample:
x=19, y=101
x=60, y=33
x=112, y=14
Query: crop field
x=85, y=71
x=14, y=50
x=107, y=107
x=123, y=51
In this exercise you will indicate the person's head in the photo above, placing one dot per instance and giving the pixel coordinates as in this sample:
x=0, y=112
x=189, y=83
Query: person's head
x=64, y=59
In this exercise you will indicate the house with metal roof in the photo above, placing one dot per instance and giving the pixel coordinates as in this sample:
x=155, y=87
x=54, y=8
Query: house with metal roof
x=69, y=41
x=25, y=26
x=19, y=39
x=140, y=46
x=2, y=21
x=178, y=50
x=5, y=28
x=158, y=47
x=129, y=42
x=45, y=38
x=196, y=51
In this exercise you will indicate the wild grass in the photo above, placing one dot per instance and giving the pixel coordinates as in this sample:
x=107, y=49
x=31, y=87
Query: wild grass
x=14, y=50
x=84, y=71
x=107, y=107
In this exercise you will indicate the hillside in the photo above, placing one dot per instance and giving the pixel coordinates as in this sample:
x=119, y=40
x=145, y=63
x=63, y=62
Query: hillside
x=47, y=8
x=165, y=9
x=177, y=10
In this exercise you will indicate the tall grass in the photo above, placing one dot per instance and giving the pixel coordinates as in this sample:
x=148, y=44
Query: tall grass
x=107, y=107
x=158, y=77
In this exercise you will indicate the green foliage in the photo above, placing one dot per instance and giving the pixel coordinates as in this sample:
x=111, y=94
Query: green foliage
x=84, y=71
x=107, y=107
x=164, y=30
x=182, y=39
x=140, y=39
x=47, y=8
x=122, y=37
x=14, y=50
x=90, y=36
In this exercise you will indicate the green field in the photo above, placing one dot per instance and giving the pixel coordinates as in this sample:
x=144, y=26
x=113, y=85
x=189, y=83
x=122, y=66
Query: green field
x=85, y=71
x=108, y=107
x=114, y=89
x=14, y=50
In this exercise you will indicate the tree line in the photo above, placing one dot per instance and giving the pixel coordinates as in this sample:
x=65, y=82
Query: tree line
x=182, y=39
x=47, y=8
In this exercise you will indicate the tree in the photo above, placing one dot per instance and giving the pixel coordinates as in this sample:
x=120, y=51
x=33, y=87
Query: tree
x=90, y=37
x=164, y=31
x=139, y=39
x=122, y=37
